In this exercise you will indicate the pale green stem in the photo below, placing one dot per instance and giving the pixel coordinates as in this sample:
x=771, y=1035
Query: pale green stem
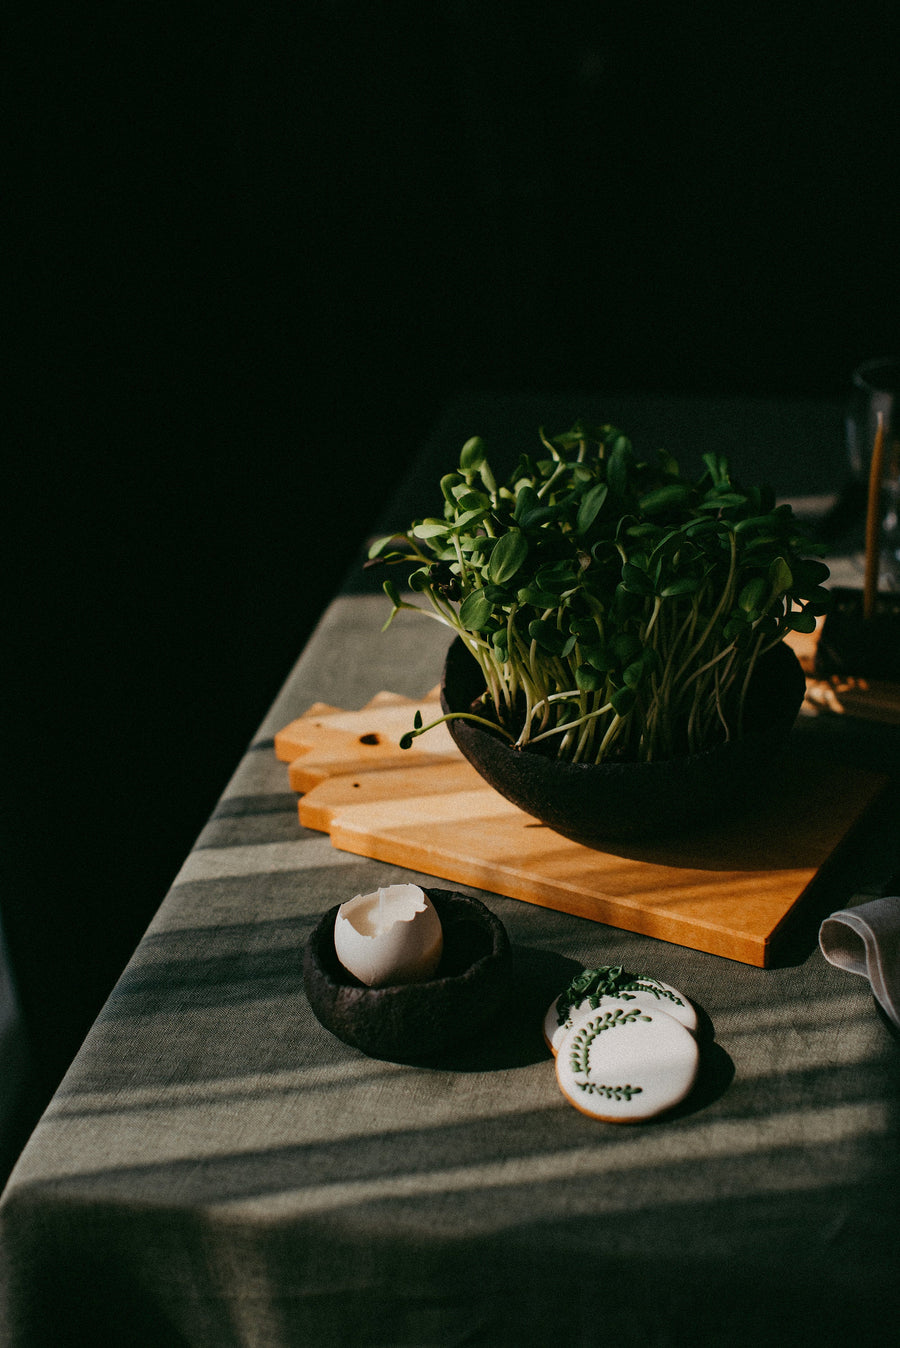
x=726, y=651
x=726, y=594
x=611, y=732
x=570, y=725
x=657, y=605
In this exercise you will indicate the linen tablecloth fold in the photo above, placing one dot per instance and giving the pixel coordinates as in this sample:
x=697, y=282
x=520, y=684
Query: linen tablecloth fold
x=866, y=940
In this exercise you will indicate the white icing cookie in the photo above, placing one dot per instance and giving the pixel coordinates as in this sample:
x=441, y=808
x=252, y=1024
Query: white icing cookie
x=626, y=1065
x=648, y=993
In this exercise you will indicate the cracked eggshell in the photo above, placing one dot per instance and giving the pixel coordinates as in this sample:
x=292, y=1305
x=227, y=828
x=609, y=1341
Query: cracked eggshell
x=391, y=936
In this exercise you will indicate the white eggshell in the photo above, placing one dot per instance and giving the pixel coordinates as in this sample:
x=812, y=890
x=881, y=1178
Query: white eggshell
x=391, y=936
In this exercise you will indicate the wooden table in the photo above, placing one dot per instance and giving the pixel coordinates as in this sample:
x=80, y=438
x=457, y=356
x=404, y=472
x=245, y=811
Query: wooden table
x=216, y=1169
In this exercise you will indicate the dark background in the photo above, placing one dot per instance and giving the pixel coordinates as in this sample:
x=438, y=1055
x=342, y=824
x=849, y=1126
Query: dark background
x=256, y=247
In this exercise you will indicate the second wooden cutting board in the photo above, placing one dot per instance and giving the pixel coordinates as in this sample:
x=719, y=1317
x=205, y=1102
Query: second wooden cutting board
x=727, y=891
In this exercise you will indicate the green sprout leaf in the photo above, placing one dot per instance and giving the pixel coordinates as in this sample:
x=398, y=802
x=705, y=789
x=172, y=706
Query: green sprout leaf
x=592, y=503
x=664, y=498
x=588, y=679
x=684, y=585
x=737, y=626
x=817, y=600
x=537, y=597
x=754, y=594
x=528, y=503
x=448, y=482
x=475, y=500
x=475, y=611
x=780, y=577
x=627, y=646
x=634, y=674
x=472, y=454
x=636, y=580
x=802, y=621
x=381, y=545
x=430, y=529
x=508, y=556
x=500, y=642
x=808, y=577
x=623, y=699
x=717, y=466
x=468, y=517
x=548, y=636
x=619, y=466
x=756, y=522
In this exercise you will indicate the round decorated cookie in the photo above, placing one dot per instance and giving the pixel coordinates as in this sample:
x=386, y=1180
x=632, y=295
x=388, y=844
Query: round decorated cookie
x=623, y=1066
x=610, y=986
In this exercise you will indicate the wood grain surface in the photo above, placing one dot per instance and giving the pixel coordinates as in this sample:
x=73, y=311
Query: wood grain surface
x=728, y=891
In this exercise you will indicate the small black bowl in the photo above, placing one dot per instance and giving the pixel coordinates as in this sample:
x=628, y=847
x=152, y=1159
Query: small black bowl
x=415, y=1022
x=598, y=803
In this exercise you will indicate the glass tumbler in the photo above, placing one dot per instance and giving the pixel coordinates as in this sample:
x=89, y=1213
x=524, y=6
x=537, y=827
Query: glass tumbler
x=876, y=389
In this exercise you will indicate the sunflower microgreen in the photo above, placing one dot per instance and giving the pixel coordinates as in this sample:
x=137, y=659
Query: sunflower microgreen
x=616, y=607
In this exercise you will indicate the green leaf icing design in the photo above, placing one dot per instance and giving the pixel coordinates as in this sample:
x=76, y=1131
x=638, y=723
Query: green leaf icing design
x=609, y=1092
x=610, y=1020
x=609, y=980
x=581, y=1051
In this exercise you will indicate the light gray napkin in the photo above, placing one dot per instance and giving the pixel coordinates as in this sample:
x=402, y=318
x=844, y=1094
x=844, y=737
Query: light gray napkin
x=866, y=941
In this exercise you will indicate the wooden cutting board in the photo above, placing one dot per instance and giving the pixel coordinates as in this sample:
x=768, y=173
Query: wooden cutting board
x=727, y=892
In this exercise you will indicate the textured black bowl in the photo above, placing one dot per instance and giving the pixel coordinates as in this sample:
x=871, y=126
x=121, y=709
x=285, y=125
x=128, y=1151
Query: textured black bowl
x=598, y=803
x=416, y=1021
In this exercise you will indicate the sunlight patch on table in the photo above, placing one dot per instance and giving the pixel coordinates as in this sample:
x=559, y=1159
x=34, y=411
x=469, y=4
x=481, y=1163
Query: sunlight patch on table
x=720, y=1140
x=176, y=1125
x=225, y=863
x=252, y=1085
x=822, y=1033
x=258, y=774
x=824, y=1011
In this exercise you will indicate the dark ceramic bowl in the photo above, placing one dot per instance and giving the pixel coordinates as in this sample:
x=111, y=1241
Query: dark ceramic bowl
x=598, y=803
x=852, y=644
x=415, y=1022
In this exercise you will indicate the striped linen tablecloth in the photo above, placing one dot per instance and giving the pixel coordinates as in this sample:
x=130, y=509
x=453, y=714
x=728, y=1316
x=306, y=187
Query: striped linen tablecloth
x=217, y=1169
